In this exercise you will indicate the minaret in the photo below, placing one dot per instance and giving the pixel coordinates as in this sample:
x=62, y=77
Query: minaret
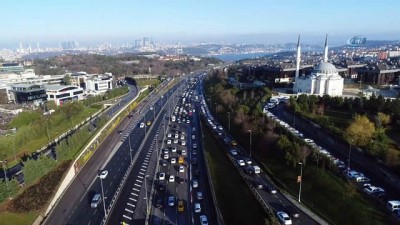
x=326, y=49
x=298, y=59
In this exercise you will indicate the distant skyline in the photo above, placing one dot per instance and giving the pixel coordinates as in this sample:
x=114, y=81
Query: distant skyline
x=189, y=21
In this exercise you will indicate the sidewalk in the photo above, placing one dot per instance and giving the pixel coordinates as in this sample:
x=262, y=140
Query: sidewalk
x=305, y=210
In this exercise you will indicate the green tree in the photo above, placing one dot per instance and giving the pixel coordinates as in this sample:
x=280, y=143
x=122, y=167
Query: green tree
x=360, y=131
x=67, y=79
x=382, y=119
x=25, y=118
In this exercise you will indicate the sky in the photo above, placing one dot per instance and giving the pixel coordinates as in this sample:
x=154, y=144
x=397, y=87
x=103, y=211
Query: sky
x=188, y=21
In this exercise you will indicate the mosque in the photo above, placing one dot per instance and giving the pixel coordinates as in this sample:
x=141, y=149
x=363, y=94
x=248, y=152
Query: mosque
x=324, y=78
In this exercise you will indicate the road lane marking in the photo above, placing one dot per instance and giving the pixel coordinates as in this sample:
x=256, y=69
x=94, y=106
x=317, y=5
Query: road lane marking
x=132, y=205
x=135, y=189
x=138, y=185
x=134, y=194
x=128, y=210
x=140, y=181
x=127, y=217
x=141, y=173
x=140, y=177
x=132, y=199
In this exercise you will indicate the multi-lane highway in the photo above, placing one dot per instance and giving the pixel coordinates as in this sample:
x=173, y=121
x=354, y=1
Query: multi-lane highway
x=113, y=155
x=258, y=182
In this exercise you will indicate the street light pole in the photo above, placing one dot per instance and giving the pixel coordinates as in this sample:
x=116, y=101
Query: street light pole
x=301, y=179
x=104, y=200
x=145, y=187
x=229, y=121
x=348, y=162
x=250, y=141
x=130, y=147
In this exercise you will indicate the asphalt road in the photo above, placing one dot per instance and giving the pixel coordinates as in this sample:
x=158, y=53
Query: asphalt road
x=379, y=174
x=113, y=155
x=184, y=191
x=277, y=202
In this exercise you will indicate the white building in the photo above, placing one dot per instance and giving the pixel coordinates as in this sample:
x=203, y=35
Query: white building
x=63, y=93
x=324, y=79
x=93, y=83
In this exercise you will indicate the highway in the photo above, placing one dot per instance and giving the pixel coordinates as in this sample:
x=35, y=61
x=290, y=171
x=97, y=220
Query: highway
x=114, y=156
x=183, y=188
x=276, y=202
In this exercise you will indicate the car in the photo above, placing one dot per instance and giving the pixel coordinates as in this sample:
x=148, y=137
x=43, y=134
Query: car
x=362, y=179
x=171, y=178
x=194, y=145
x=183, y=143
x=197, y=173
x=199, y=195
x=195, y=183
x=194, y=152
x=169, y=135
x=176, y=141
x=307, y=140
x=197, y=208
x=187, y=121
x=373, y=190
x=180, y=180
x=141, y=125
x=103, y=174
x=241, y=162
x=284, y=218
x=96, y=200
x=233, y=143
x=194, y=160
x=203, y=220
x=269, y=188
x=161, y=176
x=173, y=149
x=169, y=142
x=181, y=160
x=233, y=152
x=165, y=151
x=163, y=162
x=161, y=185
x=181, y=169
x=183, y=152
x=148, y=123
x=176, y=136
x=182, y=137
x=193, y=137
x=181, y=206
x=159, y=203
x=173, y=160
x=120, y=131
x=171, y=200
x=248, y=161
x=166, y=156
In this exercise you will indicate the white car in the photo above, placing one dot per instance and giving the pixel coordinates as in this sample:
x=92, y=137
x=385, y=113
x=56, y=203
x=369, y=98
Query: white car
x=203, y=220
x=181, y=169
x=171, y=200
x=197, y=208
x=182, y=137
x=141, y=125
x=176, y=141
x=195, y=183
x=169, y=142
x=169, y=135
x=103, y=174
x=161, y=176
x=173, y=149
x=173, y=160
x=171, y=178
x=233, y=152
x=199, y=195
x=183, y=143
x=241, y=162
x=166, y=156
x=183, y=152
x=176, y=136
x=194, y=145
x=284, y=218
x=193, y=137
x=307, y=140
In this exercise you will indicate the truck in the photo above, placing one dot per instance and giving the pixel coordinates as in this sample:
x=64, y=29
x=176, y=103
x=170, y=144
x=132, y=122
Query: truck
x=256, y=169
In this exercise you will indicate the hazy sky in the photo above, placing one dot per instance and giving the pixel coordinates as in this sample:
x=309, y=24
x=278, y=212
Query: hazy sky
x=261, y=21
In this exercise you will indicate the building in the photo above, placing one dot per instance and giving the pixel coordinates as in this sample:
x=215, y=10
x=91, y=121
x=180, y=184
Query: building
x=99, y=83
x=63, y=93
x=11, y=67
x=28, y=94
x=324, y=78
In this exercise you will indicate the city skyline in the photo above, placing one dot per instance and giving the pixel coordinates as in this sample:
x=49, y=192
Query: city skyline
x=188, y=21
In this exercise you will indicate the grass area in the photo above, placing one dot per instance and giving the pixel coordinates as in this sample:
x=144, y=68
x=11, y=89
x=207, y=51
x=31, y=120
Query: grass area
x=145, y=81
x=326, y=193
x=341, y=119
x=7, y=218
x=54, y=132
x=236, y=202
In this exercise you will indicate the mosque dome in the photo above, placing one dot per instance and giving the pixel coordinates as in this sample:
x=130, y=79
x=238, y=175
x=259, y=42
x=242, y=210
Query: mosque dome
x=325, y=67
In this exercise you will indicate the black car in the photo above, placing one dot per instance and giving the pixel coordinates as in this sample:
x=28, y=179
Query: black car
x=194, y=161
x=197, y=173
x=159, y=203
x=270, y=189
x=161, y=185
x=163, y=162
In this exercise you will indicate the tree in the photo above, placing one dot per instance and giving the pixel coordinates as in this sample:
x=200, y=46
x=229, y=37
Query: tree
x=382, y=119
x=360, y=131
x=67, y=79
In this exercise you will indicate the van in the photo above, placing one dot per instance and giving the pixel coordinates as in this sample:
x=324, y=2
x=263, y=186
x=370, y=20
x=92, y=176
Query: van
x=256, y=169
x=393, y=205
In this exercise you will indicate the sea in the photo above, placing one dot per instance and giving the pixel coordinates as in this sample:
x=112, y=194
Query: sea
x=236, y=57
